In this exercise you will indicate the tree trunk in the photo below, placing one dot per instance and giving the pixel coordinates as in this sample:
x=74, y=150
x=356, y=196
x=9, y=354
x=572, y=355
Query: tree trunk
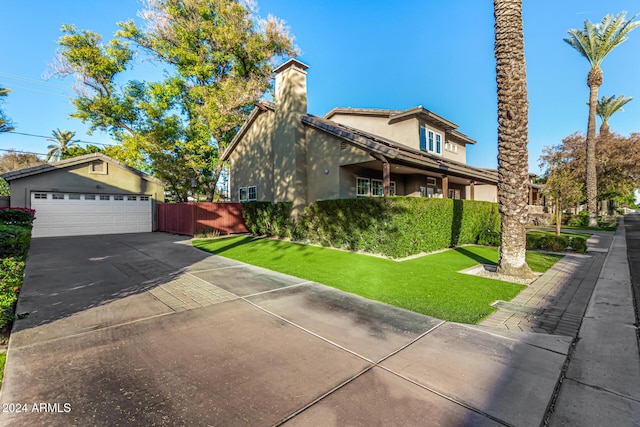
x=594, y=80
x=513, y=161
x=558, y=217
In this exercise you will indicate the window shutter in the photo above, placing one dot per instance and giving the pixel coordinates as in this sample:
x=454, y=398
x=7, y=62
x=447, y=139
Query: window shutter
x=423, y=139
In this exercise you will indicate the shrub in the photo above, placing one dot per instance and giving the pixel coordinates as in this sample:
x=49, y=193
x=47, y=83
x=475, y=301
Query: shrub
x=400, y=226
x=579, y=244
x=17, y=216
x=272, y=219
x=11, y=272
x=14, y=241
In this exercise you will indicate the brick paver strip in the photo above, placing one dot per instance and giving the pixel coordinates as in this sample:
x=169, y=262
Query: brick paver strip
x=185, y=292
x=556, y=302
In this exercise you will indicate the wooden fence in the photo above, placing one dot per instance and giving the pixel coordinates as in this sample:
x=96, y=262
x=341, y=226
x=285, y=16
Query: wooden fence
x=191, y=218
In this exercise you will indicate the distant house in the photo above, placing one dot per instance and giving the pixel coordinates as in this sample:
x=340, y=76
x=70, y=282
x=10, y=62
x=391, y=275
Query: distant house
x=90, y=194
x=282, y=153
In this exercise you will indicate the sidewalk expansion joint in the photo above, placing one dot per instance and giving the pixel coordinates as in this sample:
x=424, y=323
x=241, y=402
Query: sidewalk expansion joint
x=605, y=390
x=508, y=306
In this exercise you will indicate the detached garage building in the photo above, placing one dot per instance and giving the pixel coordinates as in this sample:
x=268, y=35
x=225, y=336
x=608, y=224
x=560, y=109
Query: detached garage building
x=90, y=194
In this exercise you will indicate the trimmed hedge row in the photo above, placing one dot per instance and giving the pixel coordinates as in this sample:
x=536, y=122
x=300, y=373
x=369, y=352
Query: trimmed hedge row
x=15, y=239
x=391, y=226
x=554, y=243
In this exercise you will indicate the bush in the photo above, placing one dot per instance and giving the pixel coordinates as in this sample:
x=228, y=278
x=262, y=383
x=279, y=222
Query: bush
x=272, y=219
x=579, y=244
x=17, y=216
x=401, y=226
x=11, y=272
x=14, y=241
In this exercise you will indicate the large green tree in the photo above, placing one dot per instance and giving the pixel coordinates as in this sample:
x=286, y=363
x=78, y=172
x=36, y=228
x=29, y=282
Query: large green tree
x=217, y=56
x=594, y=42
x=62, y=142
x=13, y=161
x=513, y=159
x=5, y=123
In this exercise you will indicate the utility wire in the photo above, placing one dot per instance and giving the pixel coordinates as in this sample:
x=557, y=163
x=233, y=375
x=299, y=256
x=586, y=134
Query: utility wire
x=74, y=140
x=11, y=150
x=29, y=79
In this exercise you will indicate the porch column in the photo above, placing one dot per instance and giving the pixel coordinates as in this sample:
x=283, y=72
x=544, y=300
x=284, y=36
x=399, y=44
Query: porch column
x=472, y=190
x=538, y=197
x=530, y=195
x=445, y=187
x=386, y=174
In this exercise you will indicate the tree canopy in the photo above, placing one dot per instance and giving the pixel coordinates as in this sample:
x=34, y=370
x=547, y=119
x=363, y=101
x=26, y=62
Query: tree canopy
x=217, y=57
x=5, y=122
x=62, y=143
x=13, y=161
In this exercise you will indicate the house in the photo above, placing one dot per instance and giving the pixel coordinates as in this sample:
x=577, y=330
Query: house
x=282, y=153
x=89, y=194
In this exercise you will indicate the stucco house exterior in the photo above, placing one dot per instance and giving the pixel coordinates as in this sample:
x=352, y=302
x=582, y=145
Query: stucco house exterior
x=282, y=153
x=89, y=194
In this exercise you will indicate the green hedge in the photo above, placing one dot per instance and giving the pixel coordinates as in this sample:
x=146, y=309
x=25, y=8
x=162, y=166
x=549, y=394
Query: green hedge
x=401, y=226
x=17, y=216
x=391, y=226
x=272, y=219
x=554, y=243
x=11, y=273
x=14, y=241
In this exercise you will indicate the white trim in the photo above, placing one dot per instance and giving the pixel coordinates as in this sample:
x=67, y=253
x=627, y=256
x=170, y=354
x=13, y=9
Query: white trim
x=368, y=181
x=255, y=191
x=246, y=194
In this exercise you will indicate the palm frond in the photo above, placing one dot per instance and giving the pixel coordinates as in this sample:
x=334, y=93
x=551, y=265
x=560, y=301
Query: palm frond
x=608, y=105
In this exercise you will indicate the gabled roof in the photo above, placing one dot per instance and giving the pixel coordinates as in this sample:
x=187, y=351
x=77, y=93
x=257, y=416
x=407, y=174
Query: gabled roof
x=73, y=161
x=396, y=151
x=260, y=107
x=395, y=116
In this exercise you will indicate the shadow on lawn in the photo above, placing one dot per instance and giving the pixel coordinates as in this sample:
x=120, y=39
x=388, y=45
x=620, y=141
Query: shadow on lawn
x=475, y=257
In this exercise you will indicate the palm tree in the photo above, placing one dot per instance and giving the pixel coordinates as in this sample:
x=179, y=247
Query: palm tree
x=594, y=42
x=513, y=158
x=63, y=140
x=5, y=123
x=606, y=107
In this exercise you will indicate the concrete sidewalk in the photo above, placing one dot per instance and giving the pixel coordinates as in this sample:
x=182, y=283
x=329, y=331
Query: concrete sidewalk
x=602, y=382
x=146, y=330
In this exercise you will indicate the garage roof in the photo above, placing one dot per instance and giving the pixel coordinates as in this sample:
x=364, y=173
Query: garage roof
x=87, y=158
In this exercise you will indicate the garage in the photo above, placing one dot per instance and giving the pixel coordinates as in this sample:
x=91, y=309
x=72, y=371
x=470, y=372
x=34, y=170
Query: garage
x=74, y=214
x=87, y=195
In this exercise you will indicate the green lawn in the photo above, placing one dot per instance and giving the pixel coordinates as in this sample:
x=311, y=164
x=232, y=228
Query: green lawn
x=428, y=285
x=562, y=233
x=3, y=358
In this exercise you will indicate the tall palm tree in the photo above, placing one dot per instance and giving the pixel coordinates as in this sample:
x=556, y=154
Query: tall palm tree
x=606, y=107
x=5, y=123
x=513, y=158
x=594, y=42
x=63, y=143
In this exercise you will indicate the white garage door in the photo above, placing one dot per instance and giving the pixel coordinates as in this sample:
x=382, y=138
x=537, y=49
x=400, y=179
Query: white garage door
x=73, y=214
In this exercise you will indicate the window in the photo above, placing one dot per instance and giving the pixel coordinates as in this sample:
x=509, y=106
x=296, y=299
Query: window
x=252, y=193
x=377, y=188
x=104, y=197
x=57, y=196
x=40, y=196
x=90, y=197
x=118, y=197
x=423, y=139
x=343, y=145
x=438, y=143
x=132, y=198
x=74, y=197
x=430, y=140
x=242, y=194
x=144, y=198
x=362, y=187
x=431, y=181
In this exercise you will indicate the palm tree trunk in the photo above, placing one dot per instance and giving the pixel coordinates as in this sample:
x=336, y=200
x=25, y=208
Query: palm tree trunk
x=513, y=159
x=594, y=80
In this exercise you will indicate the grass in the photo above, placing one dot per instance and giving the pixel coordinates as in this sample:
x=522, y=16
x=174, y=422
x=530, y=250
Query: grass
x=562, y=233
x=3, y=359
x=429, y=285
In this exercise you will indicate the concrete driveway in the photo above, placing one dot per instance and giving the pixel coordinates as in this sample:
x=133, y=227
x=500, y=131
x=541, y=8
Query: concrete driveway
x=143, y=329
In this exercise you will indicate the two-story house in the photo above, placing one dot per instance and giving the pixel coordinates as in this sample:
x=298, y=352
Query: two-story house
x=282, y=153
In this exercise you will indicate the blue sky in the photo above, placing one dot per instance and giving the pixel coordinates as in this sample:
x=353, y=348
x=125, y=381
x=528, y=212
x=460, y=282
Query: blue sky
x=395, y=55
